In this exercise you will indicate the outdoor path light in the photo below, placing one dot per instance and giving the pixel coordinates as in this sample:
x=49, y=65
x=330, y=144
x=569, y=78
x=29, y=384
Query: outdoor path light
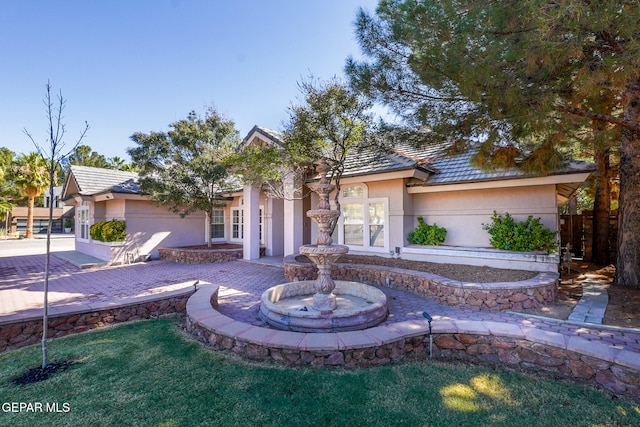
x=429, y=319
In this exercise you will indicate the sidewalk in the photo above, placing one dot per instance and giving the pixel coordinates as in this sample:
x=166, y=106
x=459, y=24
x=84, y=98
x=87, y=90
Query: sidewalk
x=592, y=304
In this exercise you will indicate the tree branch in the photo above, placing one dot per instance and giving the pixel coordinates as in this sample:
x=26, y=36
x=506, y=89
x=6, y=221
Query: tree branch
x=599, y=116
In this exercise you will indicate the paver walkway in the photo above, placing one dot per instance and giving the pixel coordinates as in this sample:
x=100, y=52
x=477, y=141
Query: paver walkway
x=241, y=284
x=592, y=304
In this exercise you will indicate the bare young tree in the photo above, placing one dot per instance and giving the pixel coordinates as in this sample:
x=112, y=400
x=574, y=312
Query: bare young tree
x=54, y=153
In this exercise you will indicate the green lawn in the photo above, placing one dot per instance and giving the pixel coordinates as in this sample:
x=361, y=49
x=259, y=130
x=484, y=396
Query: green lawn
x=150, y=373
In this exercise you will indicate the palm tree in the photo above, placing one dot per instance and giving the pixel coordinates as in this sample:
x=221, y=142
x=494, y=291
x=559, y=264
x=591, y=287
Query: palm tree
x=32, y=177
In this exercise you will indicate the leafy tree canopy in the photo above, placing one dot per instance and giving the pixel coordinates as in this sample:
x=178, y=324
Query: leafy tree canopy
x=184, y=168
x=83, y=155
x=7, y=191
x=329, y=122
x=30, y=173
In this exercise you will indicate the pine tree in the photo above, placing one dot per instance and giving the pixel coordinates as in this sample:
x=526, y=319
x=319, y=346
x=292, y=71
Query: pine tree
x=524, y=78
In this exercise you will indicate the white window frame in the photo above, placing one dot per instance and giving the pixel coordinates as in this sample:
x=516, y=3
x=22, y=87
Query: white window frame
x=83, y=222
x=240, y=215
x=261, y=224
x=365, y=201
x=224, y=229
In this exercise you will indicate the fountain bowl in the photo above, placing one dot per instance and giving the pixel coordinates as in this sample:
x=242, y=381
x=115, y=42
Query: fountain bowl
x=289, y=307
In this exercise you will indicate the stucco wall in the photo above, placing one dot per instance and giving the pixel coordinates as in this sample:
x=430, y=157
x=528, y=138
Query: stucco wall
x=114, y=209
x=97, y=212
x=462, y=213
x=150, y=226
x=274, y=223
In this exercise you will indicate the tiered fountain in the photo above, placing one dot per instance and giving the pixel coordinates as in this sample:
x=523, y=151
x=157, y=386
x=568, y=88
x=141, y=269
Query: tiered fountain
x=323, y=305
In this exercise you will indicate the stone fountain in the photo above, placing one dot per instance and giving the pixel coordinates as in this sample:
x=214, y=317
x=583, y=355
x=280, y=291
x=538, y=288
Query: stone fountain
x=323, y=305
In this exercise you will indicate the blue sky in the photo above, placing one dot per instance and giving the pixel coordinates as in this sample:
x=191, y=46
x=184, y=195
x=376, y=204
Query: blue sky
x=138, y=65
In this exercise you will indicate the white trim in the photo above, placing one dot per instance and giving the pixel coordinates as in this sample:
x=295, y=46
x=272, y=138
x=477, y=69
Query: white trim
x=521, y=182
x=365, y=201
x=385, y=176
x=224, y=227
x=240, y=210
x=83, y=226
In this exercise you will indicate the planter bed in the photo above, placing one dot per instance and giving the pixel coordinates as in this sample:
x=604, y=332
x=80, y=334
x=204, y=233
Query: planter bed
x=495, y=296
x=202, y=254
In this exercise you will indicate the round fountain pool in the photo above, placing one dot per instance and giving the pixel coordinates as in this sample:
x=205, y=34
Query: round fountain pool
x=290, y=307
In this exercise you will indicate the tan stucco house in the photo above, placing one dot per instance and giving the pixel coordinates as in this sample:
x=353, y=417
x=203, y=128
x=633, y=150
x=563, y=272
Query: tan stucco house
x=381, y=196
x=105, y=194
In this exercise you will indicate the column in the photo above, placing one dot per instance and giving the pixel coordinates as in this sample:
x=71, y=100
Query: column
x=251, y=239
x=293, y=215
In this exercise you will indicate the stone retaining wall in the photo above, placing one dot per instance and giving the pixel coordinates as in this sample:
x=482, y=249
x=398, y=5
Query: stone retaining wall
x=199, y=256
x=496, y=351
x=505, y=345
x=202, y=256
x=19, y=334
x=532, y=293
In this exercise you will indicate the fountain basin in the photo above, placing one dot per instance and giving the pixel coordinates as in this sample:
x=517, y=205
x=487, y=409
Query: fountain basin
x=289, y=307
x=312, y=250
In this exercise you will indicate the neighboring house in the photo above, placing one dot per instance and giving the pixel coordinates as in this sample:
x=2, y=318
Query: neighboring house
x=105, y=194
x=382, y=196
x=18, y=215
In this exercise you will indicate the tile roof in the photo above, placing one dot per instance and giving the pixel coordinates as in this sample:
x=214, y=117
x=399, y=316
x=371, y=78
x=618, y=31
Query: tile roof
x=272, y=135
x=444, y=168
x=91, y=181
x=370, y=162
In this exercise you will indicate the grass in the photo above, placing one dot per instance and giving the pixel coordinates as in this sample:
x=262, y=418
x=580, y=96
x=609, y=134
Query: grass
x=149, y=373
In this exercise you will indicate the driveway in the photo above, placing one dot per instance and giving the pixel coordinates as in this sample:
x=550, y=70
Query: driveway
x=74, y=289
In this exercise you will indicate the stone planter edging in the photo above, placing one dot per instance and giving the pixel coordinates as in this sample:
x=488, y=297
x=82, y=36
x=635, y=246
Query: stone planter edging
x=511, y=345
x=199, y=256
x=532, y=293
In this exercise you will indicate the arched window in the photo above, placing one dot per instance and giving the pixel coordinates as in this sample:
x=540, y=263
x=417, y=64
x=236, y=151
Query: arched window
x=353, y=191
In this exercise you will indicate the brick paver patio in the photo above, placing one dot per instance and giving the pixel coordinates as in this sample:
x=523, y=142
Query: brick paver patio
x=241, y=284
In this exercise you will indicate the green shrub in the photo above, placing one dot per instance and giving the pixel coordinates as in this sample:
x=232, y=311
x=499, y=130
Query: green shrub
x=522, y=236
x=426, y=234
x=95, y=231
x=108, y=231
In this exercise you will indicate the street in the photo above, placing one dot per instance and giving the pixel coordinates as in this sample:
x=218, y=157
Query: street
x=36, y=246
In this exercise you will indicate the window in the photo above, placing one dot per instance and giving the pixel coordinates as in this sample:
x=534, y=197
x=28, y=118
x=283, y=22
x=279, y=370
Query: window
x=261, y=227
x=237, y=223
x=376, y=224
x=47, y=200
x=353, y=191
x=363, y=220
x=83, y=222
x=353, y=220
x=217, y=224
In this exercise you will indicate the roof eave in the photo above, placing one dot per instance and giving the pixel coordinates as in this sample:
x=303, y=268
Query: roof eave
x=565, y=178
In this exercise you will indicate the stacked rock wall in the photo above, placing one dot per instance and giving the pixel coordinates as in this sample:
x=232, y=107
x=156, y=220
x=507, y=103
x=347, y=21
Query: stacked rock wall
x=19, y=334
x=532, y=293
